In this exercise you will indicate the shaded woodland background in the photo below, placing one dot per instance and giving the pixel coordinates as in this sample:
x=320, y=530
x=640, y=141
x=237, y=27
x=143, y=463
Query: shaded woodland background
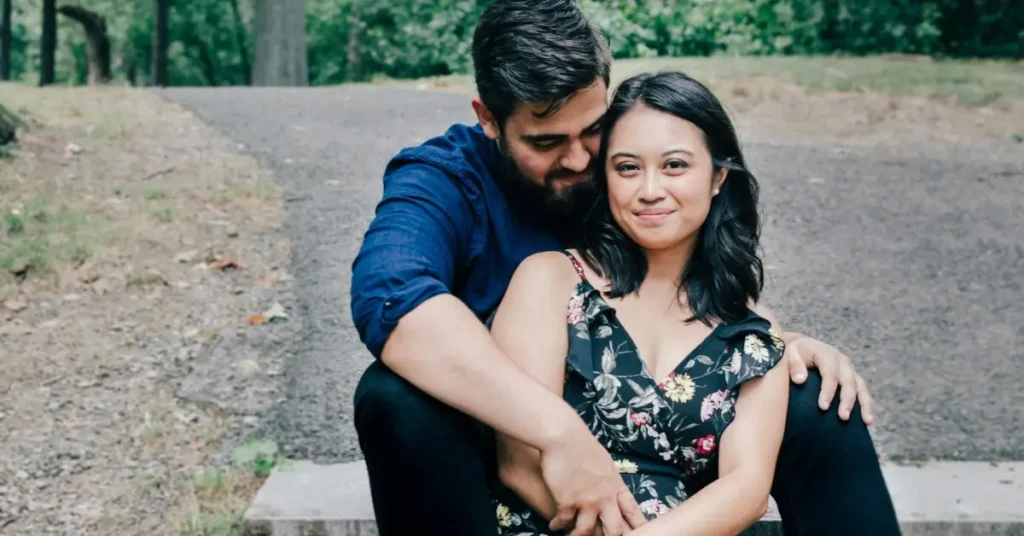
x=300, y=42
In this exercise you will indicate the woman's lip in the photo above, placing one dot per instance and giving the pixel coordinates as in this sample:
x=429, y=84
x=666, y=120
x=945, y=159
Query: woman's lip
x=654, y=213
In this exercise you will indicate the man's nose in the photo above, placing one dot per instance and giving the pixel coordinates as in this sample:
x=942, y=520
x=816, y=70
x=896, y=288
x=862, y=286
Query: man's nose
x=576, y=158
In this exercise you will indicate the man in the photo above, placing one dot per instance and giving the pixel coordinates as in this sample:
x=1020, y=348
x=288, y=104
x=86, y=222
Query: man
x=457, y=216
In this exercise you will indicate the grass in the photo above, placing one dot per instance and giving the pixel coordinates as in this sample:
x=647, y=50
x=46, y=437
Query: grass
x=88, y=178
x=218, y=497
x=217, y=500
x=967, y=83
x=102, y=189
x=45, y=232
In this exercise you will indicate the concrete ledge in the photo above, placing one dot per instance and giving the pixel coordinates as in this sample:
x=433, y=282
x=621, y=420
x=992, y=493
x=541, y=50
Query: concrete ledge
x=941, y=498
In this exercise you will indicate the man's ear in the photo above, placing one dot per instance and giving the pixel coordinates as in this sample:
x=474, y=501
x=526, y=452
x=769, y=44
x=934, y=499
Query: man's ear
x=486, y=119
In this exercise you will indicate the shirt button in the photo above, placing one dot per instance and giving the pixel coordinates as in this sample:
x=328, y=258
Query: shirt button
x=387, y=303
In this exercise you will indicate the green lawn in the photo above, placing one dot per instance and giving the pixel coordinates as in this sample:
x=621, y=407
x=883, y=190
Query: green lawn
x=971, y=83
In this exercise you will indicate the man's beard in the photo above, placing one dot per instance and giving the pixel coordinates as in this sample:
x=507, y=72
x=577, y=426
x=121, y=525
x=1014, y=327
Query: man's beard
x=562, y=211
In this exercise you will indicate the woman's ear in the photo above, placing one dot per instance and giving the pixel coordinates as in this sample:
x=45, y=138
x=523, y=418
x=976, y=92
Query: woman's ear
x=486, y=119
x=719, y=180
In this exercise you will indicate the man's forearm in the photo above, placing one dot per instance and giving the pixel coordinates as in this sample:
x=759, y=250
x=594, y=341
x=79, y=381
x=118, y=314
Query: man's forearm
x=442, y=348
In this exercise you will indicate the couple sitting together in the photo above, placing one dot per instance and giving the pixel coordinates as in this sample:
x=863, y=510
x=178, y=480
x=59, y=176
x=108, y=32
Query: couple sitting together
x=563, y=306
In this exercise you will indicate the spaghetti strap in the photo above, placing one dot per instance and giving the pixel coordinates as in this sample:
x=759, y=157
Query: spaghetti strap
x=576, y=264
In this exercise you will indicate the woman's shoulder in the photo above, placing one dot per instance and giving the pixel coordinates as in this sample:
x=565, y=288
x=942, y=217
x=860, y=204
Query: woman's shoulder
x=547, y=269
x=758, y=329
x=763, y=311
x=758, y=320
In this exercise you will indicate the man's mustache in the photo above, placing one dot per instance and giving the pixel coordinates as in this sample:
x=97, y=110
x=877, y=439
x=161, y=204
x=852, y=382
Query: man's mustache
x=562, y=173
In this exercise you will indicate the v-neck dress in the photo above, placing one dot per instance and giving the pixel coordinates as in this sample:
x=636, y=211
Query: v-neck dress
x=663, y=434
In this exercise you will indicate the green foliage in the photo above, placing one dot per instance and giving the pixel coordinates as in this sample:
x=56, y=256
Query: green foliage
x=351, y=40
x=356, y=39
x=257, y=456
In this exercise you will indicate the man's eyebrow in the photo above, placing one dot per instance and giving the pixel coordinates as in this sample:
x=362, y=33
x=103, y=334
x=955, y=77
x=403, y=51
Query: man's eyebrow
x=544, y=137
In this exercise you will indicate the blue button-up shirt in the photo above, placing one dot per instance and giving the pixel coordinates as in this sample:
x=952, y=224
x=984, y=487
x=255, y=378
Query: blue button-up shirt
x=443, y=225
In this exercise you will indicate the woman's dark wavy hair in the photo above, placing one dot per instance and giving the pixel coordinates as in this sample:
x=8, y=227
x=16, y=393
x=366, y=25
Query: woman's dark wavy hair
x=726, y=271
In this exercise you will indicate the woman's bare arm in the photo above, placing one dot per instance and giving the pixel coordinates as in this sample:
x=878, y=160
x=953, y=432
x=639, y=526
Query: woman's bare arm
x=530, y=326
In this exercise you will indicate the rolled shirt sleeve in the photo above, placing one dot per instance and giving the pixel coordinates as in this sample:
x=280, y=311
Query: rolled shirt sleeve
x=411, y=250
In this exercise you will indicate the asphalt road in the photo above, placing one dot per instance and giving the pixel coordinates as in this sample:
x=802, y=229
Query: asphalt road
x=912, y=264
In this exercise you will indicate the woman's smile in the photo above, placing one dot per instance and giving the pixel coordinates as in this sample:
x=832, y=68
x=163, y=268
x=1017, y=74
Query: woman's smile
x=654, y=216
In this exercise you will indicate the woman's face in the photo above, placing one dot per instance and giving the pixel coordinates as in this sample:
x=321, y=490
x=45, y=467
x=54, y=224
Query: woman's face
x=660, y=178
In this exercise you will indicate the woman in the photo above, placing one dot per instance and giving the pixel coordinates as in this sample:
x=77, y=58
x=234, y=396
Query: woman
x=647, y=329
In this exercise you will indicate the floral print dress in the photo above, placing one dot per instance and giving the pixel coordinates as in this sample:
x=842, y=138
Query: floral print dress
x=663, y=435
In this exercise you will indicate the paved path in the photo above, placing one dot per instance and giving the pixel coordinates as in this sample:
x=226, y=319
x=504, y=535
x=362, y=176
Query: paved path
x=912, y=264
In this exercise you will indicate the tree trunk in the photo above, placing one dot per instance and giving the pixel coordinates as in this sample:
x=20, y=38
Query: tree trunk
x=5, y=39
x=9, y=124
x=353, y=59
x=48, y=43
x=280, y=43
x=131, y=70
x=203, y=57
x=97, y=42
x=161, y=41
x=243, y=48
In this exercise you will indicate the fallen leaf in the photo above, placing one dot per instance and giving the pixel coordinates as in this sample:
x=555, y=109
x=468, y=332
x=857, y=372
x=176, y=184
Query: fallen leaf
x=17, y=327
x=247, y=368
x=19, y=268
x=276, y=312
x=102, y=286
x=89, y=278
x=72, y=149
x=269, y=279
x=274, y=277
x=226, y=263
x=187, y=417
x=186, y=257
x=153, y=276
x=15, y=305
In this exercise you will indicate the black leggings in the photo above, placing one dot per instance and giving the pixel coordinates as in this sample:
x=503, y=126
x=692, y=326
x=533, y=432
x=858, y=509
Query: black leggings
x=430, y=465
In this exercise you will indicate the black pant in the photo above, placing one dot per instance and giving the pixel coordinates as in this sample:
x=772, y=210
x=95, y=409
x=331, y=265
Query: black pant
x=430, y=465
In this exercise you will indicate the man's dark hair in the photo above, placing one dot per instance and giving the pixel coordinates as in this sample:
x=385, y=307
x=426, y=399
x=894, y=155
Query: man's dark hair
x=725, y=272
x=536, y=51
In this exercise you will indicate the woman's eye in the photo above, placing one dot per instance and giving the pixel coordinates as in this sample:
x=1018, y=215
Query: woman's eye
x=626, y=168
x=676, y=164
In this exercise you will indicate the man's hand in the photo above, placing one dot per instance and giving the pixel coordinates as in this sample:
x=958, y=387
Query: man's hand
x=803, y=352
x=587, y=487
